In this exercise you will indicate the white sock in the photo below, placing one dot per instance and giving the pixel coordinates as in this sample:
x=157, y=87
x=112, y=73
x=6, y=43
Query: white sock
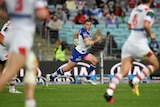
x=56, y=73
x=12, y=84
x=114, y=82
x=144, y=73
x=30, y=103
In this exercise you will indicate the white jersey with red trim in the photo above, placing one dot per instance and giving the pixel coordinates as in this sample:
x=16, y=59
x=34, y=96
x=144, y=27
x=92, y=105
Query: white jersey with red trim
x=138, y=16
x=3, y=50
x=22, y=13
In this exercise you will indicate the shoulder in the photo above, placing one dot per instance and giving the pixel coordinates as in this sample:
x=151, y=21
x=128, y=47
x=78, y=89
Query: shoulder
x=83, y=31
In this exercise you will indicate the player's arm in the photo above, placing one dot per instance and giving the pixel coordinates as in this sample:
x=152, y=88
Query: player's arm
x=41, y=11
x=130, y=21
x=89, y=42
x=147, y=22
x=129, y=26
x=76, y=38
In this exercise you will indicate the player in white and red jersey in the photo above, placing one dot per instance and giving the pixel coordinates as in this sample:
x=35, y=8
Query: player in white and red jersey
x=136, y=48
x=3, y=58
x=19, y=41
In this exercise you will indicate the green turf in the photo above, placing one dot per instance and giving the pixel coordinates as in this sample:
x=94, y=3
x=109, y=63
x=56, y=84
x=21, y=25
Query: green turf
x=85, y=96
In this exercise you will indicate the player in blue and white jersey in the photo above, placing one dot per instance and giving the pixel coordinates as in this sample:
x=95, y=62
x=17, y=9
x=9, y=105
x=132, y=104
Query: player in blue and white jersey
x=80, y=52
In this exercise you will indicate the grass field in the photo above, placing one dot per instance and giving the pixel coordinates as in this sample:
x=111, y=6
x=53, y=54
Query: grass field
x=85, y=96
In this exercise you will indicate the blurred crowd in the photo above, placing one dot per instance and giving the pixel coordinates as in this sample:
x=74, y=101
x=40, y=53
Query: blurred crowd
x=113, y=10
x=70, y=12
x=98, y=11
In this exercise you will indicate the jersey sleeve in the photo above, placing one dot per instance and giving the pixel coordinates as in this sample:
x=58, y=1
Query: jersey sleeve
x=85, y=35
x=39, y=4
x=149, y=16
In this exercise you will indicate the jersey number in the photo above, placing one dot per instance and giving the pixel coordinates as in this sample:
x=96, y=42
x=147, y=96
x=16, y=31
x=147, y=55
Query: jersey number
x=135, y=20
x=19, y=5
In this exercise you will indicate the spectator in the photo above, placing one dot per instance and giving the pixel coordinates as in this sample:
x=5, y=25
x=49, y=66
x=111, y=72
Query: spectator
x=79, y=18
x=98, y=33
x=96, y=11
x=123, y=5
x=61, y=15
x=117, y=9
x=154, y=46
x=112, y=19
x=105, y=10
x=64, y=8
x=70, y=4
x=59, y=52
x=55, y=2
x=111, y=4
x=86, y=11
x=80, y=4
x=93, y=20
x=123, y=18
x=90, y=3
x=99, y=45
x=109, y=44
x=100, y=3
x=131, y=3
x=54, y=25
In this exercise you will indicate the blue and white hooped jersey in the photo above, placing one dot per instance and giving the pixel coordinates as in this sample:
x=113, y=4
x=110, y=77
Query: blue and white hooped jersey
x=81, y=47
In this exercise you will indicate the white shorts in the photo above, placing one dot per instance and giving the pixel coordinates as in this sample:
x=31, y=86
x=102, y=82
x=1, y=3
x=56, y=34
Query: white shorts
x=139, y=51
x=19, y=41
x=3, y=53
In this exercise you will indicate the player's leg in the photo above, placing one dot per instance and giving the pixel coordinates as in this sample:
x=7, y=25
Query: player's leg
x=12, y=84
x=14, y=63
x=29, y=80
x=60, y=71
x=91, y=58
x=126, y=64
x=152, y=65
x=1, y=67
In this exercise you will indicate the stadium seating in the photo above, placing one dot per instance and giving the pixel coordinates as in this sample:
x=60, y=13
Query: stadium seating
x=101, y=26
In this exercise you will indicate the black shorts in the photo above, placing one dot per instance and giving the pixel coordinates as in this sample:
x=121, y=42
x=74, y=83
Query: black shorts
x=3, y=62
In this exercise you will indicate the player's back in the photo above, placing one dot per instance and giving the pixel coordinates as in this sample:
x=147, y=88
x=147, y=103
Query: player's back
x=22, y=13
x=137, y=18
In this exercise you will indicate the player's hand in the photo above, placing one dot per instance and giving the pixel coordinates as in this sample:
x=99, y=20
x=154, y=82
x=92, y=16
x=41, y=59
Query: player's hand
x=153, y=36
x=76, y=42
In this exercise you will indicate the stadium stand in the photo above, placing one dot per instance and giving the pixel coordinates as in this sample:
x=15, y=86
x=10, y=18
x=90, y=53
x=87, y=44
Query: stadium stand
x=120, y=31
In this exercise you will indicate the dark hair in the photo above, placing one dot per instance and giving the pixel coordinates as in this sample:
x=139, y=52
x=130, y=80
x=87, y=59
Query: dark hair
x=145, y=1
x=87, y=20
x=108, y=33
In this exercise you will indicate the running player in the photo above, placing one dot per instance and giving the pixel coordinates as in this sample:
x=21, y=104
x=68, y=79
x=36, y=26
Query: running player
x=3, y=58
x=136, y=47
x=19, y=41
x=80, y=53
